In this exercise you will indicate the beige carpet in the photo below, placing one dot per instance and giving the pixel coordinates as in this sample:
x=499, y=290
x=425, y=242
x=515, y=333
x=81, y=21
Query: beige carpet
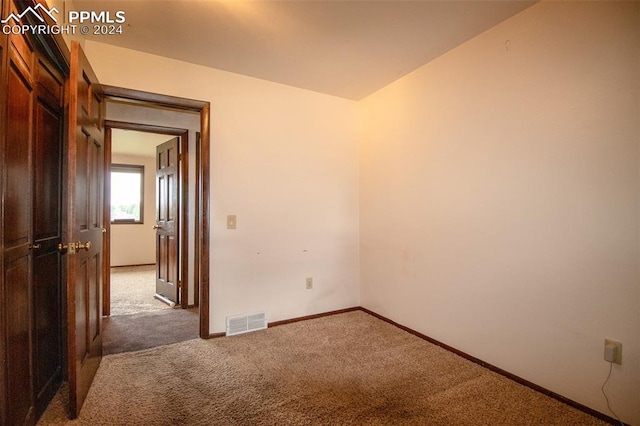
x=132, y=290
x=347, y=369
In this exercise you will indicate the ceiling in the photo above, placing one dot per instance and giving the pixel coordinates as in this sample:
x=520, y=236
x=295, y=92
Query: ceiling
x=343, y=48
x=140, y=144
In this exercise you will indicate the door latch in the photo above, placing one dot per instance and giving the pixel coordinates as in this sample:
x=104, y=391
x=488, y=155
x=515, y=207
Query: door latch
x=73, y=248
x=86, y=246
x=67, y=248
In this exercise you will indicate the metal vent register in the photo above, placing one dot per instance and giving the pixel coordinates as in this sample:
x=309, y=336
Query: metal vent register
x=239, y=324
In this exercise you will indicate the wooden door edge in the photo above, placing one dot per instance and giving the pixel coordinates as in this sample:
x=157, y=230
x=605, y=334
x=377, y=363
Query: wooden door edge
x=106, y=221
x=205, y=197
x=183, y=212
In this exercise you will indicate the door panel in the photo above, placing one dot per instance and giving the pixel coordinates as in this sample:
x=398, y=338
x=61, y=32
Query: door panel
x=17, y=178
x=84, y=225
x=47, y=172
x=82, y=168
x=96, y=183
x=167, y=219
x=47, y=228
x=94, y=286
x=18, y=339
x=48, y=343
x=82, y=278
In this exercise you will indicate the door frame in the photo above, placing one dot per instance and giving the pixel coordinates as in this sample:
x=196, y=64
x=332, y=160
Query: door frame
x=203, y=184
x=183, y=251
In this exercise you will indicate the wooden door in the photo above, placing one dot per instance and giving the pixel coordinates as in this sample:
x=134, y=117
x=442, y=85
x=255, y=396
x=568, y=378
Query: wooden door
x=84, y=227
x=18, y=232
x=32, y=230
x=167, y=219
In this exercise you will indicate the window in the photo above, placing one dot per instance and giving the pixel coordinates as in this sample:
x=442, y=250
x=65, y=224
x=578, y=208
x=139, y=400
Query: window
x=127, y=193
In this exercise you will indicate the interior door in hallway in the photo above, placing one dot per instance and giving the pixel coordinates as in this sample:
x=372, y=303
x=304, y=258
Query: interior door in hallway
x=167, y=220
x=85, y=157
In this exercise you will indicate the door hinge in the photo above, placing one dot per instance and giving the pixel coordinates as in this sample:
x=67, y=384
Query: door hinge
x=179, y=283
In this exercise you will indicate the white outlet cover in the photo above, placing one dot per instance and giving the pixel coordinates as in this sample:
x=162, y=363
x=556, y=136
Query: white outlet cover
x=613, y=351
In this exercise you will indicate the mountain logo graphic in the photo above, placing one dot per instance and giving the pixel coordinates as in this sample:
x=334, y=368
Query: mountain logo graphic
x=33, y=11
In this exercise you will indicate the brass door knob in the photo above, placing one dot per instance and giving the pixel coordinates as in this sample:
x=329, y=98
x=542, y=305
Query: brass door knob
x=157, y=226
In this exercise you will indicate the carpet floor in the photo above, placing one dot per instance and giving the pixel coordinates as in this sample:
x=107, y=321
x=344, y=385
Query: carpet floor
x=128, y=333
x=132, y=290
x=347, y=369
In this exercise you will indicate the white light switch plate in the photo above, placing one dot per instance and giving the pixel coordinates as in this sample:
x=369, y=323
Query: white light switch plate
x=231, y=221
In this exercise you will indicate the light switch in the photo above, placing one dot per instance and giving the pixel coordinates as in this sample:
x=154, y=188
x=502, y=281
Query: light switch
x=231, y=221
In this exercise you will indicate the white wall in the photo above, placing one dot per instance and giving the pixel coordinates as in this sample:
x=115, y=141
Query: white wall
x=499, y=199
x=285, y=161
x=135, y=244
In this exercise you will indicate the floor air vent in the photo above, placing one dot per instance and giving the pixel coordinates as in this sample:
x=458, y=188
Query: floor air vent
x=239, y=324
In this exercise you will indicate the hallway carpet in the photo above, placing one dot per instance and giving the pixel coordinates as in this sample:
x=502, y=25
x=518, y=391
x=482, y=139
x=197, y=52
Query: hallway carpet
x=132, y=290
x=127, y=333
x=346, y=369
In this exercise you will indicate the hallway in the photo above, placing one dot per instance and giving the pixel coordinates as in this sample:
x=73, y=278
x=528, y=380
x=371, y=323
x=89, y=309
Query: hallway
x=138, y=320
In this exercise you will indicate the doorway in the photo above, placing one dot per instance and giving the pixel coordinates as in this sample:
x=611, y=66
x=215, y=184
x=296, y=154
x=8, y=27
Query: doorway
x=142, y=248
x=194, y=214
x=148, y=181
x=149, y=221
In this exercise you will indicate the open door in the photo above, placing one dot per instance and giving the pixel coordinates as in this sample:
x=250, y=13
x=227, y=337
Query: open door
x=167, y=221
x=84, y=228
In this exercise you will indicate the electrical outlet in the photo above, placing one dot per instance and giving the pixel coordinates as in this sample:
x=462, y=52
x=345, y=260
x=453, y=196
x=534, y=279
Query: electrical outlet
x=309, y=283
x=612, y=351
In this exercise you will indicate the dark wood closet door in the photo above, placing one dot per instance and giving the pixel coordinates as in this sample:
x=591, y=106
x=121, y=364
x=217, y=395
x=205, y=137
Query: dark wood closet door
x=31, y=286
x=31, y=320
x=17, y=180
